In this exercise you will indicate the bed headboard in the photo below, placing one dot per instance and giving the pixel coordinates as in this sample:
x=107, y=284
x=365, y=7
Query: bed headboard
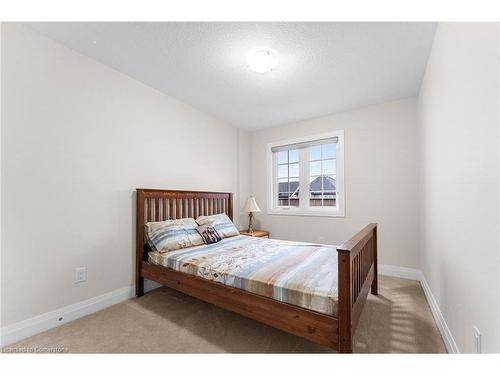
x=159, y=205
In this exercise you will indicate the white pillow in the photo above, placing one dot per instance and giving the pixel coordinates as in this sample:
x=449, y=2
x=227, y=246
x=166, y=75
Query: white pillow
x=222, y=224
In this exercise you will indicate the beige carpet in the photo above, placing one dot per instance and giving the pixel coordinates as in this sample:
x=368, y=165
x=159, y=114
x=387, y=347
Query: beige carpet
x=398, y=320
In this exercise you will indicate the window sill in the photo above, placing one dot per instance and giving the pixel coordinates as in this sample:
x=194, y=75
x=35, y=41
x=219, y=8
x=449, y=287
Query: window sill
x=309, y=212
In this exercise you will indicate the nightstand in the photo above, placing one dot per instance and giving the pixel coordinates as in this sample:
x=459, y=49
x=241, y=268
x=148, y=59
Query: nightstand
x=256, y=233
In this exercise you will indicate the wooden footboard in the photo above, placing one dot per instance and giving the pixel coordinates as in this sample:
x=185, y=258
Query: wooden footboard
x=357, y=262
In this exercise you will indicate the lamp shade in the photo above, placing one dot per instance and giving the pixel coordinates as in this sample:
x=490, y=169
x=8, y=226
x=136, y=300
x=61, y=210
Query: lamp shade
x=251, y=205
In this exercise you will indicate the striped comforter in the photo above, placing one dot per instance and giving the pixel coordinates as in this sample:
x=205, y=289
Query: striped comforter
x=297, y=273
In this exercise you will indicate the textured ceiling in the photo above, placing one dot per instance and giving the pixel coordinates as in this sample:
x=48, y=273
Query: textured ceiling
x=323, y=67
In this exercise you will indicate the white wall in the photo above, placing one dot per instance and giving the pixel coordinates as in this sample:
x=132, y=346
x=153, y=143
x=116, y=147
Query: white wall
x=459, y=145
x=380, y=179
x=0, y=177
x=77, y=139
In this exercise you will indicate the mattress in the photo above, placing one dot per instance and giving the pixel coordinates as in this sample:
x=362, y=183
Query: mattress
x=298, y=273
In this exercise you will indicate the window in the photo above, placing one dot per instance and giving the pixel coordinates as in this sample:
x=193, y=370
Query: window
x=306, y=176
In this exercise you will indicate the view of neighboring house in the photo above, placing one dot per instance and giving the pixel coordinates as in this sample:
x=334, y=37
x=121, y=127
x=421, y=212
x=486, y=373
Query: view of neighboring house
x=322, y=192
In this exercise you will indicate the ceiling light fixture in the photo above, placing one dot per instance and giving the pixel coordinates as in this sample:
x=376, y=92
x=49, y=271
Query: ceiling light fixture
x=262, y=61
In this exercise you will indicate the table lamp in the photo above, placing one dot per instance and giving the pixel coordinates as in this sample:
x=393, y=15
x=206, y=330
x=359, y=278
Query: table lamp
x=251, y=207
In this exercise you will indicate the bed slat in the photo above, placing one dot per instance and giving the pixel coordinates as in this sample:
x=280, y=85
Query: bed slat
x=178, y=209
x=165, y=205
x=157, y=209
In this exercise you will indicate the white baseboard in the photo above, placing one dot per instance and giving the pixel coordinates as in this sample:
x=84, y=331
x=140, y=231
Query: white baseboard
x=29, y=327
x=448, y=339
x=414, y=274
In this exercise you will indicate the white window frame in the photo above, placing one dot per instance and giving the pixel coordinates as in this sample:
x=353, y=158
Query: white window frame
x=304, y=208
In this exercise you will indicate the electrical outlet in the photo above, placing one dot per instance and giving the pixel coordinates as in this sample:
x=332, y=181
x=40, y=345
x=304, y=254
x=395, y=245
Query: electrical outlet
x=477, y=339
x=80, y=274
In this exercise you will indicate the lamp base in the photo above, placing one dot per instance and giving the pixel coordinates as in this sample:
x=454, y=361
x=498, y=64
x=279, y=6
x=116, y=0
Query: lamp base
x=250, y=216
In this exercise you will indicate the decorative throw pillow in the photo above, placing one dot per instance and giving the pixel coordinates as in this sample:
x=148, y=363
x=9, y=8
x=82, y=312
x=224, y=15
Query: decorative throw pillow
x=222, y=224
x=209, y=233
x=164, y=236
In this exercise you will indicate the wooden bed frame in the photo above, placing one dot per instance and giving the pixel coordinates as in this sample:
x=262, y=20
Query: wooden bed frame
x=357, y=271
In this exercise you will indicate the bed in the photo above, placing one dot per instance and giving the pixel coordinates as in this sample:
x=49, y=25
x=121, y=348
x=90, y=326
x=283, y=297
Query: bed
x=309, y=290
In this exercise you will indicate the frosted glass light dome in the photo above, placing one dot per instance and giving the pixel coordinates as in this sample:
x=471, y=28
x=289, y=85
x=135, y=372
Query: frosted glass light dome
x=262, y=61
